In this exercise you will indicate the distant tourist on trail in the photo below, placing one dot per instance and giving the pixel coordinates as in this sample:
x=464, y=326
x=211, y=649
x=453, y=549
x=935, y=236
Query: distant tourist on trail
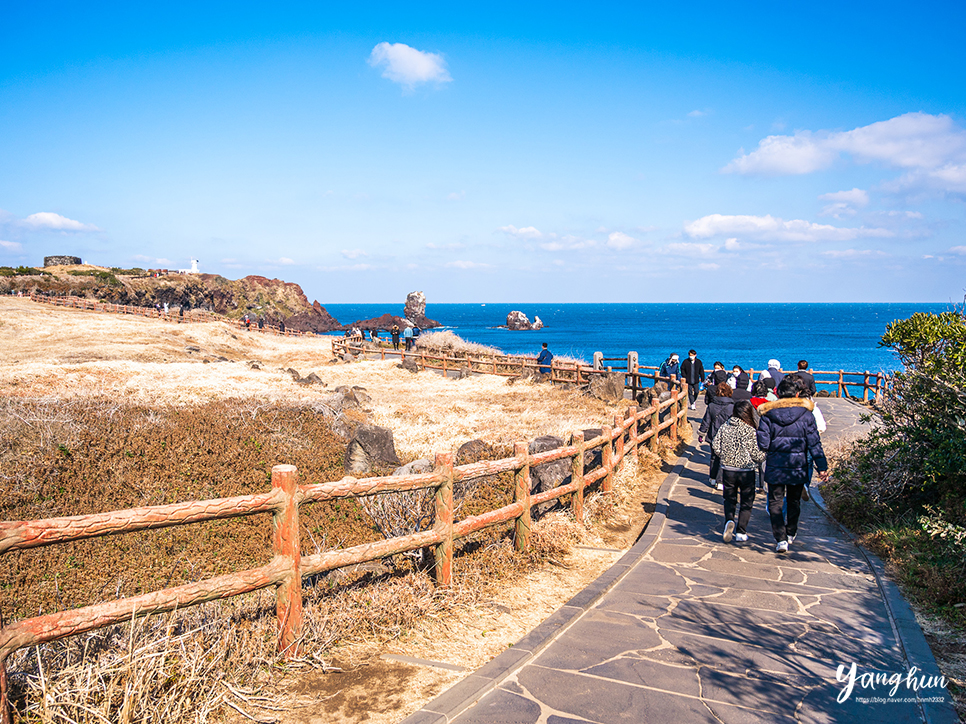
x=544, y=359
x=248, y=323
x=281, y=326
x=374, y=335
x=736, y=446
x=692, y=372
x=408, y=337
x=761, y=393
x=165, y=309
x=719, y=410
x=774, y=371
x=671, y=369
x=788, y=433
x=394, y=333
x=718, y=375
x=261, y=323
x=806, y=377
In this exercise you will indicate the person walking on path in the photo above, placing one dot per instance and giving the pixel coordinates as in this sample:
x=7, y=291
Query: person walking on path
x=805, y=376
x=719, y=410
x=408, y=338
x=394, y=333
x=788, y=434
x=544, y=360
x=736, y=445
x=774, y=371
x=718, y=375
x=692, y=372
x=672, y=370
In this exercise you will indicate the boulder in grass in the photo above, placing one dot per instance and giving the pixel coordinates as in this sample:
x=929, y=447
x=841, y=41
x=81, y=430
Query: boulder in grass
x=549, y=475
x=472, y=452
x=416, y=467
x=371, y=446
x=608, y=387
x=592, y=458
x=409, y=364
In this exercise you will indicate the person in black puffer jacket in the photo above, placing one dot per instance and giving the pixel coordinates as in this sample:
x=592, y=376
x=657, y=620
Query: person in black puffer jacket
x=788, y=433
x=718, y=412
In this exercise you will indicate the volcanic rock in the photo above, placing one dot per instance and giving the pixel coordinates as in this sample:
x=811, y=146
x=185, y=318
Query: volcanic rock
x=549, y=475
x=608, y=387
x=370, y=446
x=415, y=311
x=518, y=321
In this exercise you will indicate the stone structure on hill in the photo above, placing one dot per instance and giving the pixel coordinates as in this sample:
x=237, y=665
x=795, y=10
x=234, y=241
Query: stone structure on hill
x=62, y=261
x=518, y=321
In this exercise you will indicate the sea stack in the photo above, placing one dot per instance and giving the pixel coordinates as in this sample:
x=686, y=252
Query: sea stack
x=519, y=322
x=415, y=311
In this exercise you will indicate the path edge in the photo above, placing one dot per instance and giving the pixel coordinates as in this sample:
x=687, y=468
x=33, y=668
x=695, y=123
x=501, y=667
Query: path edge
x=467, y=692
x=915, y=647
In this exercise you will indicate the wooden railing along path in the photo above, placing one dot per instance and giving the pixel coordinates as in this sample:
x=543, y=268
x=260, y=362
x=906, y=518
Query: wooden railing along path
x=288, y=566
x=580, y=373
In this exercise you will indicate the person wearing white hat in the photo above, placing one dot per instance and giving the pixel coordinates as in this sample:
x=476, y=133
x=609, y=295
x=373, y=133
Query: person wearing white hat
x=774, y=371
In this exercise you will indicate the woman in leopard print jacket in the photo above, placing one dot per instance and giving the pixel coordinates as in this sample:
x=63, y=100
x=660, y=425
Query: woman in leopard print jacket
x=736, y=444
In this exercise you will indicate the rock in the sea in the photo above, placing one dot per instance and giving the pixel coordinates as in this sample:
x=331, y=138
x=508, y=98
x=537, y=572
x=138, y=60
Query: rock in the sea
x=537, y=323
x=517, y=321
x=608, y=387
x=370, y=446
x=415, y=311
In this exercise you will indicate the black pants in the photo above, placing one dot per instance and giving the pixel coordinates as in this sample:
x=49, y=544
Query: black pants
x=409, y=343
x=714, y=470
x=395, y=342
x=776, y=495
x=692, y=394
x=739, y=484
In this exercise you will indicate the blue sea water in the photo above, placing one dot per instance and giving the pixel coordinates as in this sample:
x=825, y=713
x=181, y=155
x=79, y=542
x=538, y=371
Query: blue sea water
x=829, y=336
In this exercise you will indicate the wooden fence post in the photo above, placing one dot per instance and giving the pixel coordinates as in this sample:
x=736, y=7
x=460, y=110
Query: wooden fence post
x=521, y=494
x=5, y=716
x=619, y=442
x=841, y=382
x=285, y=542
x=607, y=459
x=655, y=423
x=444, y=520
x=631, y=414
x=577, y=475
x=865, y=387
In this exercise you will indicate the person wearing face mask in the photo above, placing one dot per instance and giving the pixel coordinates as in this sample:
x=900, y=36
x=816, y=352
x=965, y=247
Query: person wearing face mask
x=741, y=384
x=671, y=369
x=692, y=372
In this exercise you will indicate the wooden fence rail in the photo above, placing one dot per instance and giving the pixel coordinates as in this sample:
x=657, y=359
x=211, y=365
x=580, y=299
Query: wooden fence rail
x=872, y=383
x=288, y=566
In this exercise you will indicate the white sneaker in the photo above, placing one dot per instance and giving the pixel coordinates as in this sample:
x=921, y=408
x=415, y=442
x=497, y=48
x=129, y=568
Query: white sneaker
x=741, y=537
x=729, y=531
x=719, y=487
x=712, y=481
x=791, y=539
x=782, y=547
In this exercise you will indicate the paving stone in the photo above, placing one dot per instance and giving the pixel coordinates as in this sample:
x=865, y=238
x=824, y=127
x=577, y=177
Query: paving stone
x=598, y=636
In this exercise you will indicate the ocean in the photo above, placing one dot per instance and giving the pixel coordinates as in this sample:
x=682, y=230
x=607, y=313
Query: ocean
x=829, y=336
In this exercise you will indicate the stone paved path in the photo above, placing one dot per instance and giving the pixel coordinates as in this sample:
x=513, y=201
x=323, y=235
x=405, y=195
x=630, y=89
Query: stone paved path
x=686, y=628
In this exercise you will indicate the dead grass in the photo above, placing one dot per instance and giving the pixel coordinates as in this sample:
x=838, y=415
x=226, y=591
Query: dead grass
x=82, y=390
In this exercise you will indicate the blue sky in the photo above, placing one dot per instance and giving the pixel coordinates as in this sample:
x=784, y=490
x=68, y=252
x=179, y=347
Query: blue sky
x=502, y=153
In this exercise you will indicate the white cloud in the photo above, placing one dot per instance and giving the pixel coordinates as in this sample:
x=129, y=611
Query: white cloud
x=454, y=245
x=285, y=260
x=933, y=146
x=687, y=248
x=697, y=114
x=771, y=228
x=466, y=265
x=353, y=253
x=568, y=243
x=949, y=178
x=844, y=203
x=527, y=232
x=408, y=66
x=10, y=246
x=620, y=240
x=55, y=222
x=732, y=245
x=708, y=266
x=958, y=250
x=153, y=260
x=346, y=267
x=853, y=253
x=456, y=196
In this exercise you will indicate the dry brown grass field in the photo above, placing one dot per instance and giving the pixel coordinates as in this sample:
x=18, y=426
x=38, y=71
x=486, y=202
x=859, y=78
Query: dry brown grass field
x=101, y=411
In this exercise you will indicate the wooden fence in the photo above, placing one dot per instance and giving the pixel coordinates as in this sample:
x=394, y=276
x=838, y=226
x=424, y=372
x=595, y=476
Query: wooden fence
x=871, y=383
x=288, y=566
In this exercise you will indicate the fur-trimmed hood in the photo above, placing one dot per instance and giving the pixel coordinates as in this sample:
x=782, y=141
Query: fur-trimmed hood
x=786, y=402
